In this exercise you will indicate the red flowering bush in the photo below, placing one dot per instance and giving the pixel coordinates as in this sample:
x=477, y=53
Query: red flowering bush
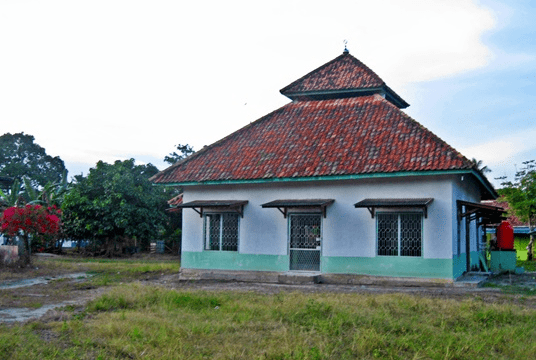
x=30, y=221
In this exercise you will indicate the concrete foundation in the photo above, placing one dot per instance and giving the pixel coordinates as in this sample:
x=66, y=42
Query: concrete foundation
x=303, y=278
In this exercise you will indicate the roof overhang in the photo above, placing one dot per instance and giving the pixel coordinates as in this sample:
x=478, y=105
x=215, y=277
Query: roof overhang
x=284, y=205
x=390, y=95
x=488, y=190
x=230, y=205
x=373, y=204
x=487, y=214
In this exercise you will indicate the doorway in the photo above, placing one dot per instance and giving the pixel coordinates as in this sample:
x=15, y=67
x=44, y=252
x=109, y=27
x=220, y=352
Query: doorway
x=305, y=241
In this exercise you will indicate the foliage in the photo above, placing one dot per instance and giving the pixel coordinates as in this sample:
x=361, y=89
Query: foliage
x=115, y=205
x=50, y=194
x=479, y=166
x=31, y=219
x=12, y=198
x=20, y=158
x=521, y=196
x=521, y=193
x=31, y=222
x=185, y=151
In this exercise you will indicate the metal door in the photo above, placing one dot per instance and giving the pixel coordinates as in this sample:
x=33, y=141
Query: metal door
x=305, y=242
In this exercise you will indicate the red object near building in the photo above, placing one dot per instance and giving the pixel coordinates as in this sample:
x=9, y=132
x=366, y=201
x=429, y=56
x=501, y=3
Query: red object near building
x=505, y=236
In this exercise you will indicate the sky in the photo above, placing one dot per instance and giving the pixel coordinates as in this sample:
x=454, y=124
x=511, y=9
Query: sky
x=118, y=79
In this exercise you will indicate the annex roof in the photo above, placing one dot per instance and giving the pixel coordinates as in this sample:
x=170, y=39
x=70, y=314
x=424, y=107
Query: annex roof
x=363, y=135
x=486, y=214
x=512, y=219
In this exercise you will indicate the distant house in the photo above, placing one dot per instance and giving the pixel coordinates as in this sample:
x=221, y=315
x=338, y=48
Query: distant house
x=338, y=181
x=520, y=227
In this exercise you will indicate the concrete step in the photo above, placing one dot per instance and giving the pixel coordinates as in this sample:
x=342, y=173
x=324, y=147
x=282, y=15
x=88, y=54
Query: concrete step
x=472, y=279
x=299, y=278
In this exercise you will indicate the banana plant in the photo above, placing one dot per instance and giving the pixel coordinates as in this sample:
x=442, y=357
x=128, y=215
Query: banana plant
x=51, y=194
x=13, y=198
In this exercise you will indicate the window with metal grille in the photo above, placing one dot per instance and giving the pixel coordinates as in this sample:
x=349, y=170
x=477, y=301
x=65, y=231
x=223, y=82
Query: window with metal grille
x=221, y=232
x=399, y=234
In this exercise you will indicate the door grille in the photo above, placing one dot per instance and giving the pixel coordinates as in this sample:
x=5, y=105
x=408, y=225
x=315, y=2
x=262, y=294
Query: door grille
x=305, y=242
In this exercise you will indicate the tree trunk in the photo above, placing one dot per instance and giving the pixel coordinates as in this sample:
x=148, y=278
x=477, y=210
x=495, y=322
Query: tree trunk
x=530, y=246
x=27, y=256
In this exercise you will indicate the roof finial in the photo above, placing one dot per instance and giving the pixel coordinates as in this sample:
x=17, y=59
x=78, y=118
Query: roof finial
x=346, y=51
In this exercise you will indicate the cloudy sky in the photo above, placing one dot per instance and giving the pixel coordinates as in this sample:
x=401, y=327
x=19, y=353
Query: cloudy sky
x=117, y=79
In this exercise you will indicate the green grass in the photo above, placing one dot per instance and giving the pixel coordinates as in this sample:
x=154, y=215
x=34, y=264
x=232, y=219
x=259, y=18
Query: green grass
x=520, y=244
x=106, y=271
x=136, y=321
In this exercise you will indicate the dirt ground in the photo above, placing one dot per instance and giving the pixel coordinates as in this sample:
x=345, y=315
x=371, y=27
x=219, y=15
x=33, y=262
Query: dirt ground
x=44, y=300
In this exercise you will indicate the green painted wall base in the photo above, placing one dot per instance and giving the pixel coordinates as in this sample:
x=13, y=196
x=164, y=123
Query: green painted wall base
x=459, y=264
x=388, y=266
x=501, y=261
x=377, y=266
x=230, y=260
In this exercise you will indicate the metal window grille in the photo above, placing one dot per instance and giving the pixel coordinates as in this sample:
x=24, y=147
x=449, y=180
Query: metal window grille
x=399, y=234
x=221, y=232
x=387, y=234
x=305, y=242
x=410, y=234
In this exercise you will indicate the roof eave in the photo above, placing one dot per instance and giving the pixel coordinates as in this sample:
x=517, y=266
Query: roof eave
x=384, y=90
x=484, y=183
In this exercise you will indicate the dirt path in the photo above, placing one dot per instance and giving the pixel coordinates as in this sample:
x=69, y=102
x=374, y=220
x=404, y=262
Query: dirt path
x=43, y=299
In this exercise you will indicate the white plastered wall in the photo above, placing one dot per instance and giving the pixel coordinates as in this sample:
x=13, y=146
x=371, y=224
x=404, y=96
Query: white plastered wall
x=347, y=231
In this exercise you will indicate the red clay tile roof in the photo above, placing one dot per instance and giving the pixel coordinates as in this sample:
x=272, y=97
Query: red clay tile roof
x=344, y=76
x=343, y=72
x=359, y=135
x=177, y=200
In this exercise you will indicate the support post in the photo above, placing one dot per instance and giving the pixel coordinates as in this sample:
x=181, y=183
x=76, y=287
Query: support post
x=468, y=242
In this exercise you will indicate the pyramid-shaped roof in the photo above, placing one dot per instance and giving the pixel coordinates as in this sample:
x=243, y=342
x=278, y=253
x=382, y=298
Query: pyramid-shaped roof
x=344, y=76
x=340, y=137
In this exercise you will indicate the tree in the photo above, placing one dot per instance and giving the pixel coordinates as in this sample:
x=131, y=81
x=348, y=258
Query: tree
x=185, y=151
x=521, y=197
x=21, y=158
x=479, y=166
x=30, y=222
x=115, y=205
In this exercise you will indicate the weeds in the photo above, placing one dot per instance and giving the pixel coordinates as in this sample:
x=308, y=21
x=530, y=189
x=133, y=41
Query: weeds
x=136, y=321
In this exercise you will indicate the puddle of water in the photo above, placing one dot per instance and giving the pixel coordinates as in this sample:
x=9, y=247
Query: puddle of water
x=40, y=280
x=23, y=314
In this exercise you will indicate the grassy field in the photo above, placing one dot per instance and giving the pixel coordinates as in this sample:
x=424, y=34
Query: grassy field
x=42, y=266
x=134, y=321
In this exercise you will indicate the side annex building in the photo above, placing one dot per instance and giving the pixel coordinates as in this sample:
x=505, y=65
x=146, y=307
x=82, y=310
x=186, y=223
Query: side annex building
x=338, y=181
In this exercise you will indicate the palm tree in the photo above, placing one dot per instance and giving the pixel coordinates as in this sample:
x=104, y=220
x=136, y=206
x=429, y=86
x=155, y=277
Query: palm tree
x=478, y=165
